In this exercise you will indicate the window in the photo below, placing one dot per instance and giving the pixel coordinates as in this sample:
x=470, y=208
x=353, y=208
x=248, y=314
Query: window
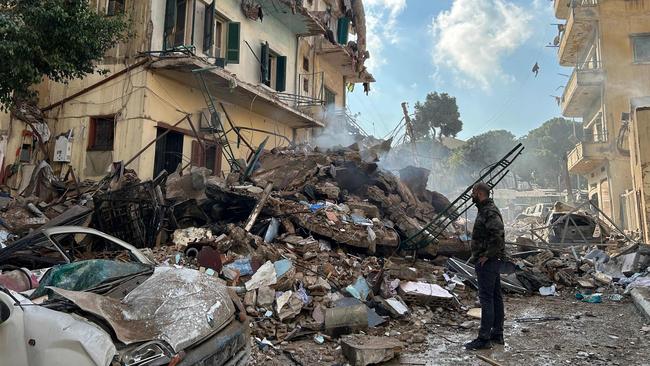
x=210, y=159
x=101, y=133
x=175, y=14
x=232, y=51
x=330, y=97
x=273, y=69
x=208, y=28
x=641, y=46
x=115, y=7
x=305, y=85
x=305, y=63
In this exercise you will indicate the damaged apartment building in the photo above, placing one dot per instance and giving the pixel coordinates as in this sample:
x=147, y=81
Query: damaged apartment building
x=209, y=81
x=607, y=43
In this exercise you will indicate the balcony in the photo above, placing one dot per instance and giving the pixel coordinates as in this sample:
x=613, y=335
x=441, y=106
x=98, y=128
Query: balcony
x=586, y=156
x=582, y=90
x=578, y=29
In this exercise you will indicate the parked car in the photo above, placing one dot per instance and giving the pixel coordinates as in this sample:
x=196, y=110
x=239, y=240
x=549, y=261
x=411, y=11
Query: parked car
x=574, y=227
x=105, y=312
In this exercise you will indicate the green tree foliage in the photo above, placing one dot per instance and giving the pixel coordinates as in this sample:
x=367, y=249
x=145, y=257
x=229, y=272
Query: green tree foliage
x=546, y=149
x=58, y=39
x=437, y=116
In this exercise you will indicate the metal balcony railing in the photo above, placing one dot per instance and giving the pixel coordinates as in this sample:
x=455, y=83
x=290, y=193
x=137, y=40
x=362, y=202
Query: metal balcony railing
x=311, y=91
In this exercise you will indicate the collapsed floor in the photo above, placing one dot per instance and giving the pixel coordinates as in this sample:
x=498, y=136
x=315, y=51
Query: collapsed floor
x=310, y=241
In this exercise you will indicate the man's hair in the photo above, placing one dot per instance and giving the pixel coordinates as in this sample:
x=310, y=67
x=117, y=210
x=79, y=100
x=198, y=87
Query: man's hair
x=483, y=187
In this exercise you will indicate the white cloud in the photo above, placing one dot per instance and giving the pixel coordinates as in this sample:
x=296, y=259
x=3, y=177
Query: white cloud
x=473, y=37
x=381, y=28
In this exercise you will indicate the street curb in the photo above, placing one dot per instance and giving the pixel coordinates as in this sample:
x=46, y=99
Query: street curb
x=641, y=297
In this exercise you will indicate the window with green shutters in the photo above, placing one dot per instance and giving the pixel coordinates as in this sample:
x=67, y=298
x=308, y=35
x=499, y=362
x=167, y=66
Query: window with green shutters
x=342, y=30
x=232, y=45
x=281, y=77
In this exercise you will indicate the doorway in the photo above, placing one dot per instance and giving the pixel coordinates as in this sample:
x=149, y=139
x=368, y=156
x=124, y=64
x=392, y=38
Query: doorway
x=169, y=151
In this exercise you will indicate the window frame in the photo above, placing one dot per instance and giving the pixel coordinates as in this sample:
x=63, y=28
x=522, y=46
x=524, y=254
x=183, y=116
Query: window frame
x=92, y=134
x=633, y=38
x=113, y=12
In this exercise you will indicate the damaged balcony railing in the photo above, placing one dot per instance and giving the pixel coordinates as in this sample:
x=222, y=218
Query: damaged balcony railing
x=310, y=92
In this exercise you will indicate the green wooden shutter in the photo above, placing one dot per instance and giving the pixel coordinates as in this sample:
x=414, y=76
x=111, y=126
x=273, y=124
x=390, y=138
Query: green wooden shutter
x=342, y=30
x=265, y=59
x=232, y=48
x=170, y=22
x=281, y=77
x=208, y=27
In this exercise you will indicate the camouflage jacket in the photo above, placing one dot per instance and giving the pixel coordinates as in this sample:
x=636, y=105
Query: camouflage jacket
x=488, y=236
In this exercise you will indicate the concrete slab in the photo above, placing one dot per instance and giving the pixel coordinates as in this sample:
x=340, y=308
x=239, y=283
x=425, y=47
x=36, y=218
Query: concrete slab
x=641, y=297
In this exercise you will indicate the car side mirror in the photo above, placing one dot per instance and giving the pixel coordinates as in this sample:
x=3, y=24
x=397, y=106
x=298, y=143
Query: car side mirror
x=5, y=312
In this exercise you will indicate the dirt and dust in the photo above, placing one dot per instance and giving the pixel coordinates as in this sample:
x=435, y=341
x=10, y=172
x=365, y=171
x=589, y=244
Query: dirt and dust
x=608, y=333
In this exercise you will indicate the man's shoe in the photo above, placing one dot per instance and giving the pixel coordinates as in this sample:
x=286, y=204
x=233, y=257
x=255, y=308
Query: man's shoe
x=497, y=339
x=478, y=343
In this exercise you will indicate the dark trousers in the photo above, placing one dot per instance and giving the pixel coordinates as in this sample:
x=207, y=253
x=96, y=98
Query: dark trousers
x=489, y=293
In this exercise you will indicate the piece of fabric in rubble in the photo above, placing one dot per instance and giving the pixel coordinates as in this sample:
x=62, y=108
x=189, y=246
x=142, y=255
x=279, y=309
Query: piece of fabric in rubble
x=83, y=275
x=177, y=305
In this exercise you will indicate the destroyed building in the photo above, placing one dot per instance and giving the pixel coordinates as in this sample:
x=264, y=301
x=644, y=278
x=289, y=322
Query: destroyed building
x=276, y=69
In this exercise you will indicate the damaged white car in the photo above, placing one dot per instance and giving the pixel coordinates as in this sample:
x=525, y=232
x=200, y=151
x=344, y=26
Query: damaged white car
x=105, y=312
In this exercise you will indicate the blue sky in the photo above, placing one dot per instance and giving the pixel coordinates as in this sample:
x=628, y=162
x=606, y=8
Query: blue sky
x=480, y=51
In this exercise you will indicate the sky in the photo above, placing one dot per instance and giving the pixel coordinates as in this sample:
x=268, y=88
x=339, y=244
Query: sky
x=479, y=51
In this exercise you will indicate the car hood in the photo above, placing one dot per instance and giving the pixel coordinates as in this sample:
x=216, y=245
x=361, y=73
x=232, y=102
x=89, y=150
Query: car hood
x=177, y=305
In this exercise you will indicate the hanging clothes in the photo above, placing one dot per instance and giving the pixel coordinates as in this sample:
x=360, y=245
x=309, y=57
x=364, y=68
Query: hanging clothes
x=366, y=88
x=260, y=14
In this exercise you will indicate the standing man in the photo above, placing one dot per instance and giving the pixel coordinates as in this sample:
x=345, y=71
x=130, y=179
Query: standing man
x=488, y=250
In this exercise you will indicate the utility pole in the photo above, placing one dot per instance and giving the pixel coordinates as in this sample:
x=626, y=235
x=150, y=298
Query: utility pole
x=409, y=132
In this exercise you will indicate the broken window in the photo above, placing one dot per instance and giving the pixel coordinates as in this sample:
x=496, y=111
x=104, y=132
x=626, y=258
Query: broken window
x=305, y=63
x=175, y=14
x=208, y=28
x=101, y=133
x=115, y=7
x=641, y=45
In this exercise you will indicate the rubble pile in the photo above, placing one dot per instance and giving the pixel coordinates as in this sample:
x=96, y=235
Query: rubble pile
x=309, y=240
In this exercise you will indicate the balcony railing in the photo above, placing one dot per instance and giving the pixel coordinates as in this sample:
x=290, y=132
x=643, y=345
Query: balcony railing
x=311, y=95
x=586, y=156
x=577, y=30
x=582, y=88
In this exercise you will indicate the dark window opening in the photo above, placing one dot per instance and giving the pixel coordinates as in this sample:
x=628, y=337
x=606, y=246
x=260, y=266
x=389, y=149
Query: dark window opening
x=305, y=85
x=101, y=133
x=115, y=7
x=169, y=151
x=305, y=63
x=26, y=153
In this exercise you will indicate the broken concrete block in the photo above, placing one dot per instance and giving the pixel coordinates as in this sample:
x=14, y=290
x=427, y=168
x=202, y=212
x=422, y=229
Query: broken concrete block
x=288, y=305
x=250, y=298
x=265, y=297
x=424, y=293
x=368, y=209
x=362, y=350
x=265, y=276
x=396, y=307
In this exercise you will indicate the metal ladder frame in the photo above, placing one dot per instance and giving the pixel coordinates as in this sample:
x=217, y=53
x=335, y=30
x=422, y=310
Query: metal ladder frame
x=429, y=233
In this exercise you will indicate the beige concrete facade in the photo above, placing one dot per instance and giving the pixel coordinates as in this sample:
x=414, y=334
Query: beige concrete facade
x=146, y=92
x=598, y=42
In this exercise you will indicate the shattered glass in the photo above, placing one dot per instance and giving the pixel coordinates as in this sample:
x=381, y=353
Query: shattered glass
x=178, y=306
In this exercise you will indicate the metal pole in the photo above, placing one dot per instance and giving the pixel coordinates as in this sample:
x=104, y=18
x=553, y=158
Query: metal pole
x=154, y=141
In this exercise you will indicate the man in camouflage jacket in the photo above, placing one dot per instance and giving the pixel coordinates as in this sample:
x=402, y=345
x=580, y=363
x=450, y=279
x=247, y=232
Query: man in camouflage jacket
x=488, y=251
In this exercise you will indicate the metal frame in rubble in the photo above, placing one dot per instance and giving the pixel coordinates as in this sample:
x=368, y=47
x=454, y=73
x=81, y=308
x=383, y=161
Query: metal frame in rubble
x=429, y=234
x=585, y=241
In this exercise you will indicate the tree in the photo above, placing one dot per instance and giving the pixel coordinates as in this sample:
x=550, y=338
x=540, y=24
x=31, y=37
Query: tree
x=58, y=39
x=546, y=148
x=439, y=111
